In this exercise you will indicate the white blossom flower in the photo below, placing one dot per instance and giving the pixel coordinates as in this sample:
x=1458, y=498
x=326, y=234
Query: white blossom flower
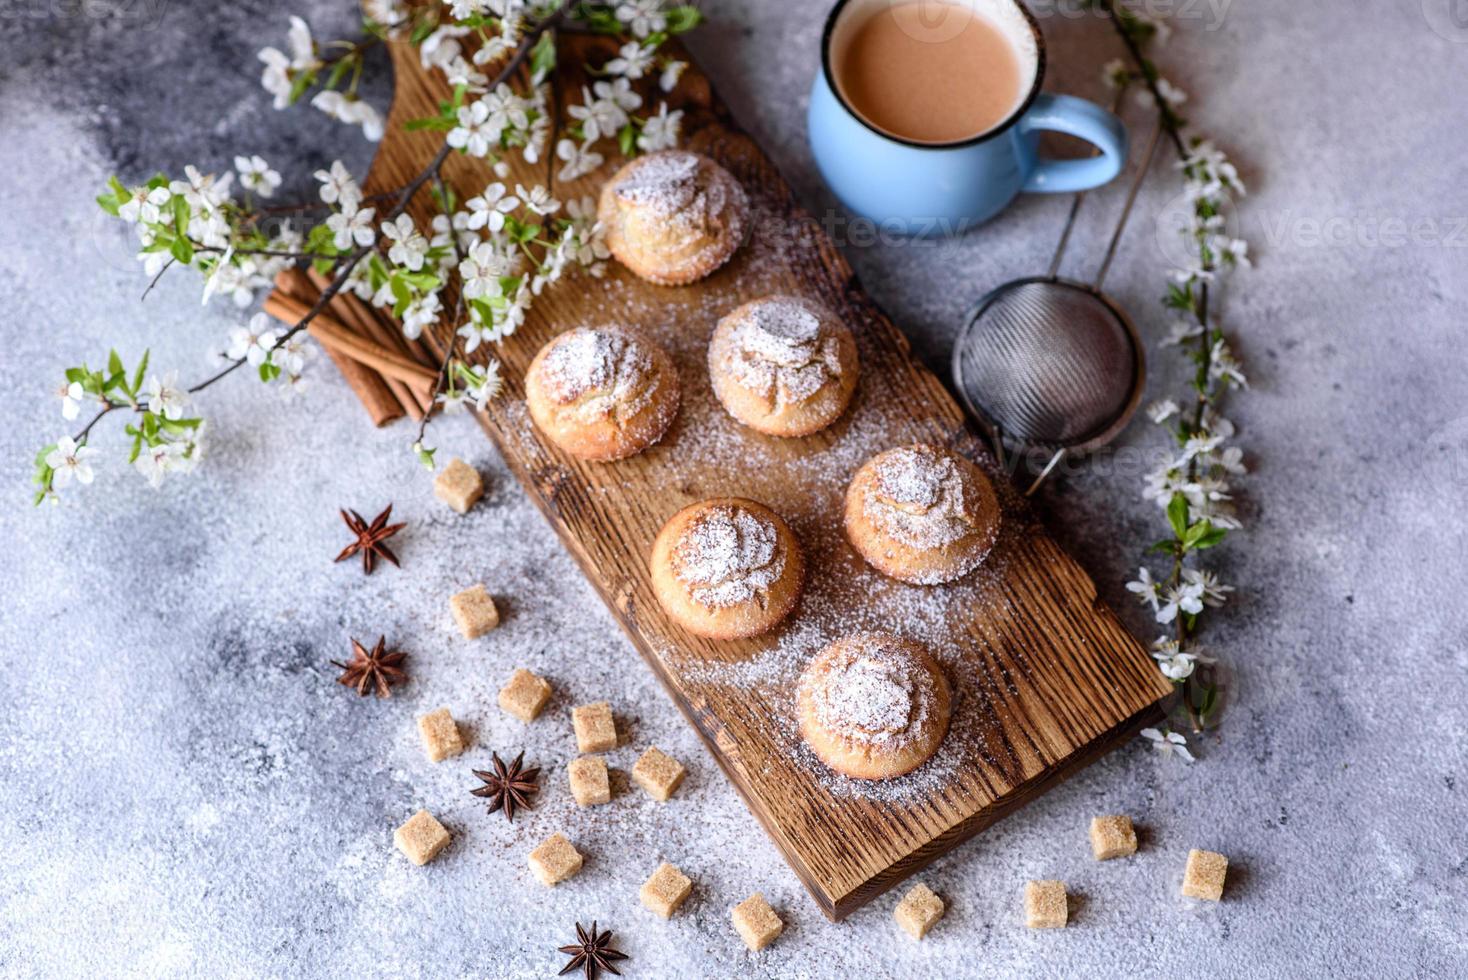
x=276, y=78
x=1162, y=482
x=672, y=71
x=1231, y=460
x=1116, y=73
x=619, y=91
x=420, y=313
x=488, y=387
x=660, y=132
x=632, y=61
x=69, y=460
x=303, y=48
x=409, y=248
x=1214, y=593
x=256, y=175
x=1234, y=251
x=1181, y=331
x=537, y=199
x=254, y=342
x=476, y=132
x=452, y=401
x=143, y=204
x=1223, y=366
x=1201, y=443
x=475, y=333
x=580, y=161
x=203, y=192
x=598, y=117
x=155, y=462
x=71, y=399
x=338, y=186
x=1170, y=93
x=1186, y=597
x=1175, y=665
x=164, y=397
x=1169, y=743
x=643, y=17
x=488, y=210
x=349, y=109
x=352, y=224
x=1161, y=411
x=481, y=271
x=1144, y=588
x=290, y=355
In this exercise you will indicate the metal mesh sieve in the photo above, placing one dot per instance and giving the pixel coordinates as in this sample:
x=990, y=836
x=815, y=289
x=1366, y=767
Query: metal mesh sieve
x=1048, y=363
x=1051, y=364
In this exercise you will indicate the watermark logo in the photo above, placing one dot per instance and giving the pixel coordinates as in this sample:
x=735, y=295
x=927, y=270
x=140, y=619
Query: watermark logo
x=1447, y=18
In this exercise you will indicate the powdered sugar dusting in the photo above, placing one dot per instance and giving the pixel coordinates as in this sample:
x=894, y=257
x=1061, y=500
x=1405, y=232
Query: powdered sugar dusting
x=871, y=691
x=918, y=498
x=779, y=350
x=666, y=183
x=728, y=556
x=603, y=372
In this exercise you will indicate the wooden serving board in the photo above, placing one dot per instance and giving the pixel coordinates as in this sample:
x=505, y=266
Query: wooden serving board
x=1046, y=677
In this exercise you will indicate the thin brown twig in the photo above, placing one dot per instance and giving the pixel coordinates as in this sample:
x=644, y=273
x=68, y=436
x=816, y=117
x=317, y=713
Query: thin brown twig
x=404, y=198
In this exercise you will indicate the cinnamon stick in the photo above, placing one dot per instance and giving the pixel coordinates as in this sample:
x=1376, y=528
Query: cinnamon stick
x=335, y=335
x=357, y=315
x=371, y=390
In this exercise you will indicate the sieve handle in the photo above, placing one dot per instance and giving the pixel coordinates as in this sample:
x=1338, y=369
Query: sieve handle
x=1085, y=120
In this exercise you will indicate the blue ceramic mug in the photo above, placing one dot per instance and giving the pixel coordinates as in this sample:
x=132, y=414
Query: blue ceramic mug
x=918, y=188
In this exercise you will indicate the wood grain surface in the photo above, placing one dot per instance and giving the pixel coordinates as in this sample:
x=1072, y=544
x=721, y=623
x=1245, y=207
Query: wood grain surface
x=1046, y=677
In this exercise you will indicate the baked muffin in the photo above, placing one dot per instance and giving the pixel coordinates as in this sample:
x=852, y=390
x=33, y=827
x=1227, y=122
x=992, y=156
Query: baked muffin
x=673, y=217
x=602, y=392
x=727, y=568
x=874, y=706
x=922, y=514
x=782, y=365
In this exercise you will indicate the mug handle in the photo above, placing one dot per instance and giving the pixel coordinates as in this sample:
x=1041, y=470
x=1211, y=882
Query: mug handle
x=1086, y=120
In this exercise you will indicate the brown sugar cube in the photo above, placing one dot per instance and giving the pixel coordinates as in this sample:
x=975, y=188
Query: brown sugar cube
x=595, y=730
x=1112, y=837
x=459, y=485
x=589, y=782
x=525, y=695
x=658, y=773
x=1203, y=877
x=1045, y=904
x=474, y=611
x=421, y=838
x=441, y=737
x=555, y=860
x=918, y=911
x=757, y=923
x=665, y=890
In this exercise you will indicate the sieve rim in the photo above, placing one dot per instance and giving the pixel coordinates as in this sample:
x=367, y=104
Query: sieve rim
x=1087, y=442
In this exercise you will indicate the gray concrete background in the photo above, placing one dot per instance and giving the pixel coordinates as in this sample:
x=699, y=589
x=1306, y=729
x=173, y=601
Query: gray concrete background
x=185, y=792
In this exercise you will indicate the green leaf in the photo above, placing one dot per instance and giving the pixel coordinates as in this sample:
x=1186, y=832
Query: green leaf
x=1177, y=515
x=431, y=122
x=543, y=57
x=182, y=250
x=180, y=215
x=684, y=18
x=142, y=368
x=300, y=84
x=340, y=69
x=269, y=372
x=77, y=375
x=627, y=139
x=1214, y=536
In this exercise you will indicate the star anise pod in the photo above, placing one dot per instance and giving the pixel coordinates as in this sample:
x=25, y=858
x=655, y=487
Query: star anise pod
x=508, y=787
x=375, y=670
x=370, y=538
x=593, y=952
